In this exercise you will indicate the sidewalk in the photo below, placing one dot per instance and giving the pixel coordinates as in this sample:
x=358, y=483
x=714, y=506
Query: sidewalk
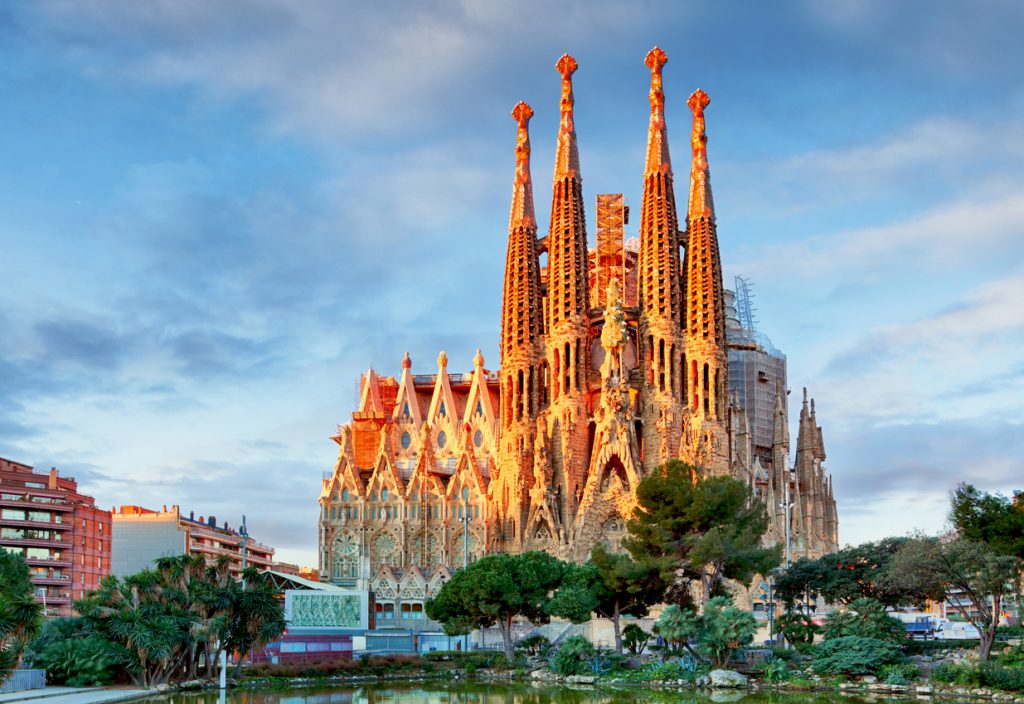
x=74, y=695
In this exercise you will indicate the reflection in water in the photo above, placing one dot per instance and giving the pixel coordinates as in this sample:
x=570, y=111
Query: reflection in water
x=473, y=693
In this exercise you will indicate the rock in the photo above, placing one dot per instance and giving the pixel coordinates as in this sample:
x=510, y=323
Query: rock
x=703, y=681
x=581, y=679
x=869, y=679
x=726, y=678
x=163, y=688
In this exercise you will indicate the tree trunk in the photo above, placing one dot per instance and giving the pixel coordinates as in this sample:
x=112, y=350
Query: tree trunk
x=616, y=627
x=988, y=636
x=505, y=624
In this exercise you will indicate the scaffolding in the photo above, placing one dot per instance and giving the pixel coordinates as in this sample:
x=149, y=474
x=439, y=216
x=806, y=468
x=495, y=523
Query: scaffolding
x=745, y=310
x=612, y=216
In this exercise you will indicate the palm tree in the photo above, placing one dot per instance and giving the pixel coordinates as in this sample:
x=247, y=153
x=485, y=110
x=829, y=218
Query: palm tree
x=20, y=615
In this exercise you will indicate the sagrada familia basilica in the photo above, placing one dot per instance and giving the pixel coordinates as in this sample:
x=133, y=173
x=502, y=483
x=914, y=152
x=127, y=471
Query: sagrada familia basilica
x=613, y=360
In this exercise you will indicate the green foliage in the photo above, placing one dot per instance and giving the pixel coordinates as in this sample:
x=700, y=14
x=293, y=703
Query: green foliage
x=723, y=629
x=993, y=519
x=965, y=675
x=536, y=644
x=864, y=618
x=635, y=638
x=774, y=671
x=495, y=590
x=704, y=530
x=671, y=670
x=856, y=572
x=798, y=629
x=677, y=626
x=162, y=621
x=72, y=653
x=1012, y=657
x=610, y=585
x=852, y=655
x=979, y=576
x=20, y=615
x=572, y=656
x=925, y=647
x=330, y=667
x=898, y=673
x=988, y=674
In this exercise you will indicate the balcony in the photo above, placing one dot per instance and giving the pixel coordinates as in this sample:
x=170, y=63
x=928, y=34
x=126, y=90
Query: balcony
x=49, y=561
x=34, y=542
x=23, y=502
x=48, y=581
x=45, y=525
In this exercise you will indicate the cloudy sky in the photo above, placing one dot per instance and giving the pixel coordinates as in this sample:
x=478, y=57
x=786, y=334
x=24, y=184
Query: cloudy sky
x=214, y=215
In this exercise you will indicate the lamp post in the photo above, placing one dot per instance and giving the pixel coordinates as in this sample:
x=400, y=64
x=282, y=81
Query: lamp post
x=244, y=535
x=787, y=506
x=465, y=535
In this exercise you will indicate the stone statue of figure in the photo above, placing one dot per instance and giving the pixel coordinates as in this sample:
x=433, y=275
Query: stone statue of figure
x=613, y=334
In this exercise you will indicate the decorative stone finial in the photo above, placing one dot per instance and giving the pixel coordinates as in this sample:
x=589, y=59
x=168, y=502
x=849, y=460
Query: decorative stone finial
x=442, y=360
x=658, y=159
x=406, y=361
x=567, y=158
x=522, y=188
x=699, y=138
x=478, y=359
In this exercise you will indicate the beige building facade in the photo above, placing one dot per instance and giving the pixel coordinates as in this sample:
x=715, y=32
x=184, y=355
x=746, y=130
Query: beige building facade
x=613, y=360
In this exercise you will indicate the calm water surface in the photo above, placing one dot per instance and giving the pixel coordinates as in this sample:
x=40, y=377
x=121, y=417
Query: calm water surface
x=473, y=693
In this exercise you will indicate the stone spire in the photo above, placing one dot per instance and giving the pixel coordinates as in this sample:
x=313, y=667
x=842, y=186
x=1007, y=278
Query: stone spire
x=704, y=321
x=521, y=326
x=660, y=290
x=567, y=306
x=522, y=187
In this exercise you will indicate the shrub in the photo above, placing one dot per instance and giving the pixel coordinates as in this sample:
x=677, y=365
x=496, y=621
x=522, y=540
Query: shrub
x=724, y=628
x=853, y=655
x=923, y=647
x=72, y=653
x=963, y=675
x=775, y=671
x=865, y=618
x=798, y=629
x=635, y=638
x=1012, y=657
x=899, y=673
x=536, y=644
x=1007, y=678
x=572, y=655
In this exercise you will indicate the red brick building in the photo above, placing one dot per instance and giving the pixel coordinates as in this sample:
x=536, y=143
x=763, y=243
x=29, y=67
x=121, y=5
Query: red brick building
x=63, y=536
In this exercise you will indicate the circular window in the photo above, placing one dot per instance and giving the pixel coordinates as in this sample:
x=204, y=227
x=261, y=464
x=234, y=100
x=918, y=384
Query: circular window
x=406, y=440
x=441, y=439
x=383, y=494
x=478, y=438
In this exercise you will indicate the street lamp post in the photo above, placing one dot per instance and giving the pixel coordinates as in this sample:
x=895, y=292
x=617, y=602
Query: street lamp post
x=787, y=506
x=244, y=535
x=465, y=535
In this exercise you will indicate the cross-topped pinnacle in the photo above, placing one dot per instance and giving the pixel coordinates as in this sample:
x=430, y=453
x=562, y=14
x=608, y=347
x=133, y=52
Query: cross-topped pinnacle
x=658, y=159
x=567, y=159
x=699, y=139
x=522, y=113
x=655, y=59
x=522, y=188
x=566, y=66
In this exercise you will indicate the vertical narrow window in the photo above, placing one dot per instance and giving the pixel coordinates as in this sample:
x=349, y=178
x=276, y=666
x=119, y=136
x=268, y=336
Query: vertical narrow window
x=568, y=368
x=661, y=365
x=707, y=401
x=519, y=396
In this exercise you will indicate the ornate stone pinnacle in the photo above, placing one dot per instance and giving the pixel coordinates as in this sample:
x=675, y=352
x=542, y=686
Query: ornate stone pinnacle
x=566, y=66
x=478, y=358
x=699, y=138
x=655, y=59
x=522, y=188
x=442, y=360
x=406, y=361
x=522, y=113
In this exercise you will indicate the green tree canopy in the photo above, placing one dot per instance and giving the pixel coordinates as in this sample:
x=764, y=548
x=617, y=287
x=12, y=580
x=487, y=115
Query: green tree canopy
x=856, y=572
x=976, y=576
x=864, y=618
x=165, y=620
x=610, y=585
x=699, y=529
x=497, y=589
x=993, y=519
x=20, y=615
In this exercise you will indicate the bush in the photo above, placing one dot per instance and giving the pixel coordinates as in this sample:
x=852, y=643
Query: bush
x=536, y=644
x=865, y=618
x=1012, y=657
x=900, y=673
x=635, y=638
x=1007, y=678
x=853, y=655
x=798, y=629
x=994, y=675
x=72, y=653
x=724, y=628
x=961, y=675
x=775, y=671
x=572, y=656
x=923, y=647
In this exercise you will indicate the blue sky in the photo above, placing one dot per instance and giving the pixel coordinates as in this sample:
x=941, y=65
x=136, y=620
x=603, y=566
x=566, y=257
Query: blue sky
x=213, y=216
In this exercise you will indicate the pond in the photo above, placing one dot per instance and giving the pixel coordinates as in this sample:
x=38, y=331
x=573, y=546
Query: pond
x=516, y=693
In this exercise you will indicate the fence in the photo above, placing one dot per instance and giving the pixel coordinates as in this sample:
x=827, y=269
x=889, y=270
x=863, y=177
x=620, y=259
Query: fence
x=24, y=679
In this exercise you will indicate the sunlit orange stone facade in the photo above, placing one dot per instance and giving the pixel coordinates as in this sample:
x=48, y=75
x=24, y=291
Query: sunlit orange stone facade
x=595, y=389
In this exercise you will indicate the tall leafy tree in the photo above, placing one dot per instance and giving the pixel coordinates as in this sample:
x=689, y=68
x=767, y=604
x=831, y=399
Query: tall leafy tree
x=993, y=519
x=497, y=589
x=699, y=530
x=610, y=585
x=856, y=572
x=976, y=576
x=20, y=615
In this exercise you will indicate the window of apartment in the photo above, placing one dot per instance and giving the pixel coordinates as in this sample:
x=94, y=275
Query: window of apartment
x=37, y=553
x=13, y=533
x=11, y=497
x=12, y=514
x=41, y=516
x=34, y=485
x=385, y=610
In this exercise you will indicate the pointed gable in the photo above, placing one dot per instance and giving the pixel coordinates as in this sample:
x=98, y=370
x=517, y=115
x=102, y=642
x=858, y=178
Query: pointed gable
x=443, y=412
x=406, y=403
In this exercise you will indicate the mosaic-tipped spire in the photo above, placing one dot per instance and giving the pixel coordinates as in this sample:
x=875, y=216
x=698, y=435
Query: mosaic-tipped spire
x=522, y=187
x=658, y=159
x=701, y=203
x=567, y=156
